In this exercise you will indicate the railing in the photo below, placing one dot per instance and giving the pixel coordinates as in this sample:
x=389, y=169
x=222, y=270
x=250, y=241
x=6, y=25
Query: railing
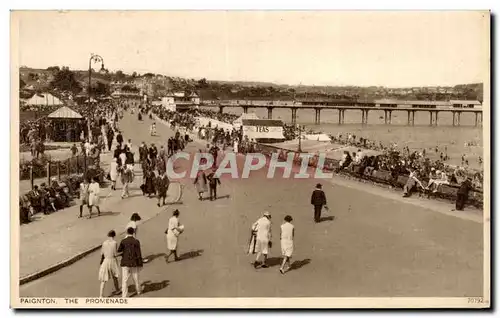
x=43, y=168
x=446, y=191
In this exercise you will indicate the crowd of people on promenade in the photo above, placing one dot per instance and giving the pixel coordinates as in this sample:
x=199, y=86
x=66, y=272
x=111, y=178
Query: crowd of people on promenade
x=421, y=171
x=49, y=198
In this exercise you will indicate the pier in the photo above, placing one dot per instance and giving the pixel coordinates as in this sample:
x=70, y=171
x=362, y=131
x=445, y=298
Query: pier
x=432, y=107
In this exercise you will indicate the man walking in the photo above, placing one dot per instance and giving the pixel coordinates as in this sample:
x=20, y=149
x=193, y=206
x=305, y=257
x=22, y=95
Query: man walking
x=119, y=138
x=318, y=200
x=162, y=183
x=262, y=229
x=463, y=194
x=213, y=182
x=131, y=262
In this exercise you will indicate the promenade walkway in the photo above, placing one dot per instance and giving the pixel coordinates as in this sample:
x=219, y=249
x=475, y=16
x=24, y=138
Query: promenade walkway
x=55, y=238
x=367, y=246
x=51, y=241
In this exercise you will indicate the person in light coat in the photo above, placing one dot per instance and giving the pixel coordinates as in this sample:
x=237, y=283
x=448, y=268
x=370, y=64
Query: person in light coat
x=172, y=234
x=201, y=184
x=262, y=228
x=287, y=236
x=94, y=199
x=84, y=196
x=235, y=146
x=113, y=173
x=109, y=264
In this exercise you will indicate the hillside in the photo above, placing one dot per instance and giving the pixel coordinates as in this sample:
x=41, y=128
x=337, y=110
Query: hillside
x=158, y=85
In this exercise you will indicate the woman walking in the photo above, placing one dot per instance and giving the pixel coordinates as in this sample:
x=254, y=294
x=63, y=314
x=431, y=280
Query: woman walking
x=109, y=265
x=127, y=178
x=134, y=223
x=149, y=183
x=94, y=191
x=113, y=173
x=287, y=236
x=134, y=219
x=84, y=196
x=201, y=184
x=173, y=231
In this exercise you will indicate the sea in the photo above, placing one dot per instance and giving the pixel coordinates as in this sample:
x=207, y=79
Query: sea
x=446, y=137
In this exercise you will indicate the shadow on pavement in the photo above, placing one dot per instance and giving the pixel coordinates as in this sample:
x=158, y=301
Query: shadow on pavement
x=327, y=218
x=175, y=203
x=148, y=287
x=151, y=258
x=227, y=196
x=109, y=213
x=273, y=261
x=298, y=264
x=191, y=254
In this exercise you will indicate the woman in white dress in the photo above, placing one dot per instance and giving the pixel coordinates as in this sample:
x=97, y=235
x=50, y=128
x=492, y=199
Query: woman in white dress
x=109, y=264
x=153, y=129
x=173, y=231
x=94, y=191
x=113, y=173
x=134, y=219
x=287, y=235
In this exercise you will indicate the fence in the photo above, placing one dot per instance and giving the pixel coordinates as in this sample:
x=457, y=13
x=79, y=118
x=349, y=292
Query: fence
x=446, y=191
x=40, y=168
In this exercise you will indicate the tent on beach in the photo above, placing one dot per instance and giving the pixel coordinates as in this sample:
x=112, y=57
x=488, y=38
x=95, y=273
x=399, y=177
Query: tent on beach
x=45, y=99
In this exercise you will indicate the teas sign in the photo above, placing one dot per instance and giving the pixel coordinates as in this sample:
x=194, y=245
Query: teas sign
x=263, y=132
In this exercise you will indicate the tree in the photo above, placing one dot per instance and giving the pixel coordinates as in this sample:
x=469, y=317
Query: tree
x=202, y=83
x=119, y=75
x=134, y=75
x=149, y=75
x=65, y=80
x=53, y=69
x=100, y=89
x=21, y=83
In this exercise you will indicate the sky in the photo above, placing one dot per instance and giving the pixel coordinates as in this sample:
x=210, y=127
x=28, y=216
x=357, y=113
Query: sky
x=394, y=49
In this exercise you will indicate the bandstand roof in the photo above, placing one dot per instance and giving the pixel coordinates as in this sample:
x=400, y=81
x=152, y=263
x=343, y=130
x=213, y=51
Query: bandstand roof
x=65, y=112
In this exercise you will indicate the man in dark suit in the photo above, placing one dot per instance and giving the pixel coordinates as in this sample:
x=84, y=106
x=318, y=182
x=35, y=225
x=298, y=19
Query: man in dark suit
x=318, y=200
x=119, y=138
x=463, y=194
x=213, y=182
x=131, y=263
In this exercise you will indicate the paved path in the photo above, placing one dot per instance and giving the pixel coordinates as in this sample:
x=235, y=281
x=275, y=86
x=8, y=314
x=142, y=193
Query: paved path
x=368, y=245
x=53, y=238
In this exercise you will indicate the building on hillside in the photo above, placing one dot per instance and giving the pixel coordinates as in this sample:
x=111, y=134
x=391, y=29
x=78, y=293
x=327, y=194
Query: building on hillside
x=181, y=99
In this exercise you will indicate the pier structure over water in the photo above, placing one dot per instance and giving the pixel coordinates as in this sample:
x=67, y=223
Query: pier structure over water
x=456, y=107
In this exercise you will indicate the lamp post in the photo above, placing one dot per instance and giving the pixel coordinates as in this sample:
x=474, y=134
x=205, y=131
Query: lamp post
x=94, y=58
x=300, y=139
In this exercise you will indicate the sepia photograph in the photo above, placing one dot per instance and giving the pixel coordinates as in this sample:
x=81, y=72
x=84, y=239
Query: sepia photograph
x=250, y=159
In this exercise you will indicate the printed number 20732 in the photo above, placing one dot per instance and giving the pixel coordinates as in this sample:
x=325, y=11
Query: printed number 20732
x=475, y=300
